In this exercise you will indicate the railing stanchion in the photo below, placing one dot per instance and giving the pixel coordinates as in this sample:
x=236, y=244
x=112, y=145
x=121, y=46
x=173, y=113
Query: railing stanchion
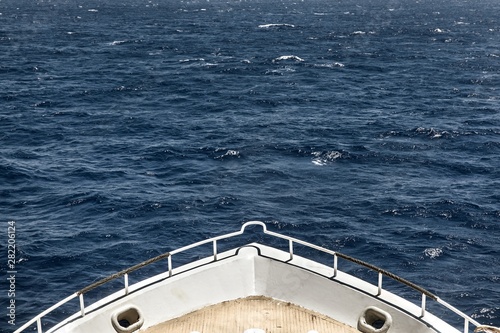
x=424, y=297
x=379, y=283
x=335, y=265
x=125, y=280
x=466, y=326
x=39, y=325
x=169, y=260
x=82, y=305
x=290, y=242
x=215, y=249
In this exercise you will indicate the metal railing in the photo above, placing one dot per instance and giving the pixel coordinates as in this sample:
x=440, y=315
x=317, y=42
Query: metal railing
x=291, y=241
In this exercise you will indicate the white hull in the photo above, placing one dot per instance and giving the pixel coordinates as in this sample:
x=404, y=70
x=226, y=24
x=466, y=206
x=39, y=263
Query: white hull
x=255, y=270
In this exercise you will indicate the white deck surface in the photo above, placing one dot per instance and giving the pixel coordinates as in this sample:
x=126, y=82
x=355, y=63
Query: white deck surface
x=255, y=312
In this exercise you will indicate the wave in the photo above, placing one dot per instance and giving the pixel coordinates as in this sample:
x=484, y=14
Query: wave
x=324, y=157
x=126, y=41
x=431, y=133
x=433, y=253
x=273, y=25
x=192, y=60
x=440, y=31
x=197, y=62
x=289, y=57
x=230, y=153
x=362, y=33
x=330, y=65
x=117, y=42
x=14, y=174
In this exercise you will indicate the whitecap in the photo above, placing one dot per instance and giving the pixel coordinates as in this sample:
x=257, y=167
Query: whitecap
x=192, y=60
x=289, y=57
x=359, y=32
x=323, y=158
x=271, y=25
x=117, y=42
x=93, y=10
x=330, y=65
x=433, y=133
x=229, y=153
x=433, y=252
x=333, y=155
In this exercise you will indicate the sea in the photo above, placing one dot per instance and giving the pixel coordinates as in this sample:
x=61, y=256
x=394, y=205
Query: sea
x=130, y=128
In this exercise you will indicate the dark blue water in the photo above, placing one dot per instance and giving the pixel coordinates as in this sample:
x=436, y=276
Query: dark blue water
x=372, y=127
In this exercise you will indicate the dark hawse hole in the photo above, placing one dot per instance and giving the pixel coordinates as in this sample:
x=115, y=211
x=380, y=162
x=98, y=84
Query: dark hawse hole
x=124, y=323
x=379, y=323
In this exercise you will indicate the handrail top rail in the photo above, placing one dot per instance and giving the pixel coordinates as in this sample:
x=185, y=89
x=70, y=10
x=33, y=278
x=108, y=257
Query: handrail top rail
x=167, y=254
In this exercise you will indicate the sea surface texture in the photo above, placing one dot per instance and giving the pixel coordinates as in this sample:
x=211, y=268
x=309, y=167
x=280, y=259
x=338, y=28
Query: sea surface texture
x=130, y=128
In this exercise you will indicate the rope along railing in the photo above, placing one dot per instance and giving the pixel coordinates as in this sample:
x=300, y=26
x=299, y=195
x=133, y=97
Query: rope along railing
x=291, y=241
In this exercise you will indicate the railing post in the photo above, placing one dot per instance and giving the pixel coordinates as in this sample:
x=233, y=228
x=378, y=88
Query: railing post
x=290, y=242
x=379, y=284
x=466, y=326
x=424, y=297
x=82, y=305
x=125, y=278
x=39, y=325
x=215, y=250
x=169, y=259
x=335, y=265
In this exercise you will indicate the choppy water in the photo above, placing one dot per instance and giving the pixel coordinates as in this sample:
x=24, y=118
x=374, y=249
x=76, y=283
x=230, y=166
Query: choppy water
x=134, y=127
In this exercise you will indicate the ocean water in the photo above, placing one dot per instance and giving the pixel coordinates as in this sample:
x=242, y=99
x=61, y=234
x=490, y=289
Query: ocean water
x=130, y=128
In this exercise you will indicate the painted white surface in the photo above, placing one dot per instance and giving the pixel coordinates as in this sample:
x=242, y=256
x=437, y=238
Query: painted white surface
x=299, y=281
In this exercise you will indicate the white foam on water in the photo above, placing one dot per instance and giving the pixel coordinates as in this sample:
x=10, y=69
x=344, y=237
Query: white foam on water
x=433, y=252
x=271, y=25
x=289, y=57
x=117, y=42
x=323, y=158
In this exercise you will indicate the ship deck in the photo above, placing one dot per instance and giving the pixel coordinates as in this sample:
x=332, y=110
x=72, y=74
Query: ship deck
x=256, y=312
